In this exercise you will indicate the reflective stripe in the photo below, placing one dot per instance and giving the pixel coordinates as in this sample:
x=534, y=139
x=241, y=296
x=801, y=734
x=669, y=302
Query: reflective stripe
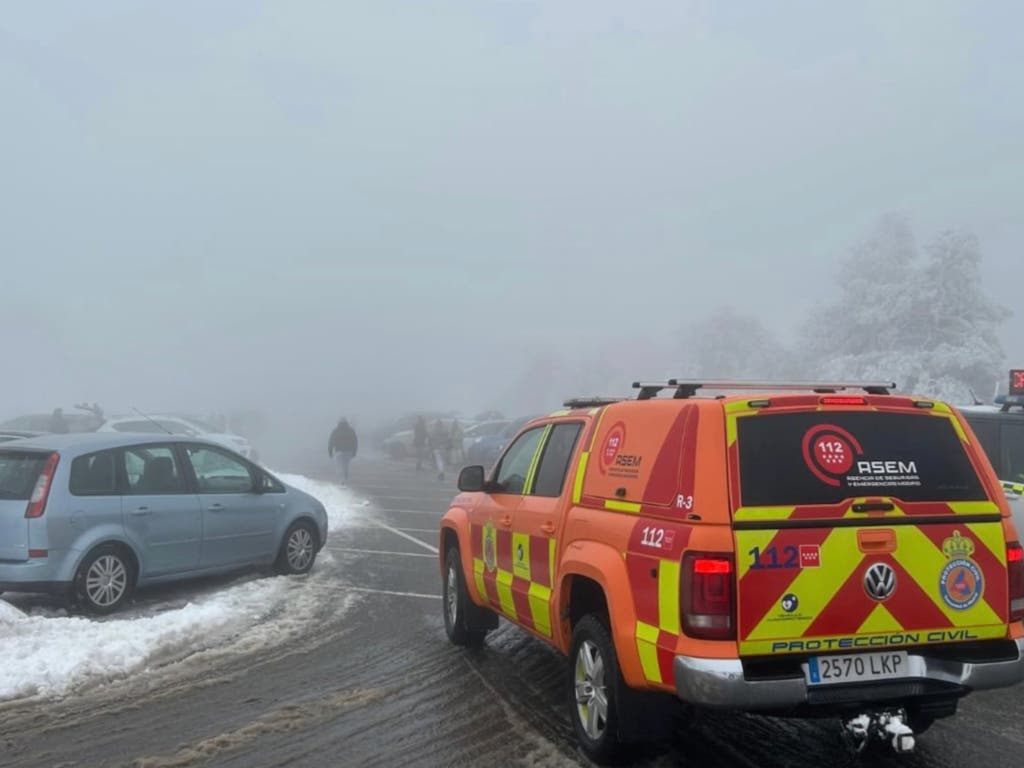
x=552, y=547
x=581, y=468
x=478, y=577
x=532, y=471
x=622, y=506
x=540, y=601
x=668, y=596
x=974, y=507
x=647, y=648
x=504, y=585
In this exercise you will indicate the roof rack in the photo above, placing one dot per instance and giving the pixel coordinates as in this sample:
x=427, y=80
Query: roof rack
x=685, y=388
x=591, y=402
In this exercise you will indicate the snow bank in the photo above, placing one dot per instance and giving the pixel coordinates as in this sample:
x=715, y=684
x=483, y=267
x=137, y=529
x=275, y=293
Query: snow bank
x=47, y=655
x=341, y=503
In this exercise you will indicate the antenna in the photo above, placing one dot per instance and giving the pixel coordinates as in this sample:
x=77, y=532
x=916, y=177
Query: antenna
x=160, y=426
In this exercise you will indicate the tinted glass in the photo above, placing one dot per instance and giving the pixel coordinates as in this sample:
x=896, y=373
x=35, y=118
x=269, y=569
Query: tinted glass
x=554, y=463
x=987, y=432
x=825, y=458
x=93, y=475
x=1013, y=451
x=18, y=473
x=218, y=472
x=515, y=464
x=152, y=469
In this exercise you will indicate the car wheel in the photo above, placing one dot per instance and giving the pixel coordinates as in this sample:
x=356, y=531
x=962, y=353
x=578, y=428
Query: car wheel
x=105, y=580
x=298, y=549
x=457, y=604
x=593, y=690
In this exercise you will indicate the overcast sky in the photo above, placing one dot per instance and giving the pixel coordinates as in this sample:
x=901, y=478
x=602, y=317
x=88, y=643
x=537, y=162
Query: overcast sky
x=332, y=205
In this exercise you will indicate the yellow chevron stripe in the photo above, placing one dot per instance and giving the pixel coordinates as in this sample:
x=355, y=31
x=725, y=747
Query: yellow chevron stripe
x=532, y=471
x=622, y=506
x=478, y=578
x=763, y=513
x=879, y=621
x=647, y=648
x=540, y=608
x=668, y=596
x=504, y=585
x=581, y=468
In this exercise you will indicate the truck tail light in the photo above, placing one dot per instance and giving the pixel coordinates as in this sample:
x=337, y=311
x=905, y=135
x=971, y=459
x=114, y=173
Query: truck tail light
x=37, y=501
x=707, y=596
x=1015, y=571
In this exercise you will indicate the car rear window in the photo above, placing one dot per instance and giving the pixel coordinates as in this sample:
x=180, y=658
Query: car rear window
x=19, y=471
x=798, y=459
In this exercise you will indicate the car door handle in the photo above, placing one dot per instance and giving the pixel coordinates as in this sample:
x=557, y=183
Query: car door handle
x=548, y=527
x=506, y=521
x=216, y=507
x=139, y=512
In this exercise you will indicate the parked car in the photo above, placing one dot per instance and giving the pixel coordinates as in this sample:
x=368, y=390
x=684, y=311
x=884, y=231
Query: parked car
x=176, y=425
x=480, y=430
x=7, y=435
x=486, y=450
x=399, y=445
x=94, y=516
x=41, y=422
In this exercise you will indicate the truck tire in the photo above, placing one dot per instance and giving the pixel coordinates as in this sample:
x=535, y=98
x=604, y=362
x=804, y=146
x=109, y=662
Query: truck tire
x=458, y=608
x=594, y=685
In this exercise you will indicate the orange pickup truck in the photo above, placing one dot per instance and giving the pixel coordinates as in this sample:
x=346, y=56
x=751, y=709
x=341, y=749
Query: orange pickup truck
x=800, y=549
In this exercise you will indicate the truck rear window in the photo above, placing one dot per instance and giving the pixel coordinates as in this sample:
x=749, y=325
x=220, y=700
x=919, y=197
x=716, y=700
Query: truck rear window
x=19, y=471
x=798, y=459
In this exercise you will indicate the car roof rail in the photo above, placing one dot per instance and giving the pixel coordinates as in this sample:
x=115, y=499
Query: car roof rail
x=685, y=388
x=591, y=402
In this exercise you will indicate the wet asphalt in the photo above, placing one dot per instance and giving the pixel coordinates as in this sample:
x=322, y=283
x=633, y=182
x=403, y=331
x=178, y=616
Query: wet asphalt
x=372, y=681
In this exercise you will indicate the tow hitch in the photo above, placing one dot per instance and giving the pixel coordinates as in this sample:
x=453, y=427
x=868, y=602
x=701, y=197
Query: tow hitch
x=887, y=726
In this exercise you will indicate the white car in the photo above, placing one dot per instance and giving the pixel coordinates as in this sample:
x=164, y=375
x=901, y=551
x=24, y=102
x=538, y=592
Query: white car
x=176, y=425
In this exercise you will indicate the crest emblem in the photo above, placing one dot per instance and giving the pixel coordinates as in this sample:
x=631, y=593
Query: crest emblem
x=961, y=582
x=490, y=548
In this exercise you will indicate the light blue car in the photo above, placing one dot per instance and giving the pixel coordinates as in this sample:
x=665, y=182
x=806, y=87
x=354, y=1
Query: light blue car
x=93, y=516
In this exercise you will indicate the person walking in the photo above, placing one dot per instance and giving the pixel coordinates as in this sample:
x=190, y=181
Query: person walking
x=458, y=454
x=419, y=441
x=57, y=423
x=342, y=447
x=439, y=440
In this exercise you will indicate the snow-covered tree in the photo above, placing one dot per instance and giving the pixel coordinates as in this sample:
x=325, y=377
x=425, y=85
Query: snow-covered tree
x=729, y=344
x=920, y=320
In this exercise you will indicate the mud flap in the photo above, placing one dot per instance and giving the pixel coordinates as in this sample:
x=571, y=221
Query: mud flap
x=644, y=716
x=478, y=618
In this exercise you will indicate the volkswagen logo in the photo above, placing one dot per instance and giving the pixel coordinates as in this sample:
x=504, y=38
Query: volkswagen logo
x=880, y=582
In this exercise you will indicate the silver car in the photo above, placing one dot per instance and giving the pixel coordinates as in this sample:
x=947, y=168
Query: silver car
x=93, y=516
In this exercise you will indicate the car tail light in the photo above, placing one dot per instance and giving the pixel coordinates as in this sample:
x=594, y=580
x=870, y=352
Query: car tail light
x=37, y=501
x=843, y=400
x=1015, y=571
x=707, y=596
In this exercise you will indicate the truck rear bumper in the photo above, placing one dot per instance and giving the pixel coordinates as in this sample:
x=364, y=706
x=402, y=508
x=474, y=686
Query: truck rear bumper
x=722, y=683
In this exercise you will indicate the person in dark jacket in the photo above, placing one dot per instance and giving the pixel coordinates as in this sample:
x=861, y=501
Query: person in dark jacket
x=342, y=447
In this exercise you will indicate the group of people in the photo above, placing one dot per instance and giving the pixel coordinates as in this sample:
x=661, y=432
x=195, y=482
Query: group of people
x=441, y=442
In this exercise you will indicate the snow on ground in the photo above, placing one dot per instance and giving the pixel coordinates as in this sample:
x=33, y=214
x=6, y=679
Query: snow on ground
x=342, y=504
x=49, y=655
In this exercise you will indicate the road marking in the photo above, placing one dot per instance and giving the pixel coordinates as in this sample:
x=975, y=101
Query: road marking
x=391, y=592
x=408, y=537
x=433, y=513
x=379, y=552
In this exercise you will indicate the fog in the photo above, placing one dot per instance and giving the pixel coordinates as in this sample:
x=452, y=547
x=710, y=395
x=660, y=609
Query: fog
x=316, y=209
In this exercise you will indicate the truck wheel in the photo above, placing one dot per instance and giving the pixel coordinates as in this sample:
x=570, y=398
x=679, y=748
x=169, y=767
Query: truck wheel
x=457, y=604
x=593, y=690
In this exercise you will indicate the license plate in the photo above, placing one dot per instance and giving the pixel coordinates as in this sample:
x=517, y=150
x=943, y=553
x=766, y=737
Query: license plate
x=829, y=670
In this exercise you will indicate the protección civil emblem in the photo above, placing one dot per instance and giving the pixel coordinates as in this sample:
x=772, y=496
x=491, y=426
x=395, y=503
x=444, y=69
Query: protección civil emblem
x=490, y=547
x=961, y=583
